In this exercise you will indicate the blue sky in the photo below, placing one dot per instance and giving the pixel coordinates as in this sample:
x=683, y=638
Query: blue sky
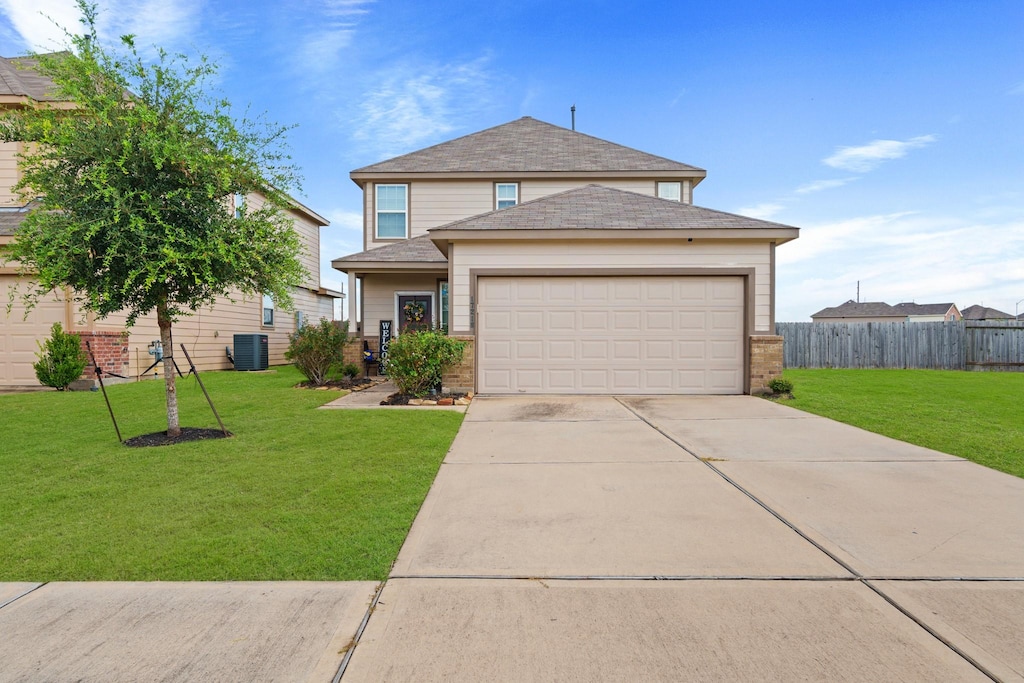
x=891, y=133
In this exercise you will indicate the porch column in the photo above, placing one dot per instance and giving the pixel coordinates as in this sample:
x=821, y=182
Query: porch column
x=352, y=302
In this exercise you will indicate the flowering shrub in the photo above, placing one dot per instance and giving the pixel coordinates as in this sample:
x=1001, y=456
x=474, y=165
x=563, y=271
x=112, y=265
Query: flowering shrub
x=315, y=349
x=417, y=360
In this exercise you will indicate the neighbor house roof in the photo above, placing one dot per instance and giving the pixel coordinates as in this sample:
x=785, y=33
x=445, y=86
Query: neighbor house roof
x=416, y=250
x=11, y=218
x=859, y=309
x=19, y=77
x=527, y=145
x=985, y=313
x=596, y=207
x=910, y=308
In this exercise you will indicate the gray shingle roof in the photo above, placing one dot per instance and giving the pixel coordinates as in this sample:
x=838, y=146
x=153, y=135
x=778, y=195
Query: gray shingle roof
x=596, y=207
x=526, y=145
x=985, y=313
x=863, y=309
x=18, y=76
x=910, y=308
x=418, y=249
x=11, y=218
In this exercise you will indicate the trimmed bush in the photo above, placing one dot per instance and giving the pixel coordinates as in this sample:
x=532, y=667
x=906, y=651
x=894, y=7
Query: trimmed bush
x=61, y=359
x=417, y=360
x=780, y=386
x=315, y=349
x=350, y=370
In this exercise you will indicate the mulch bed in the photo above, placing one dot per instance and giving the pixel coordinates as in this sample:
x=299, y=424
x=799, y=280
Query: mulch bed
x=339, y=383
x=161, y=438
x=403, y=399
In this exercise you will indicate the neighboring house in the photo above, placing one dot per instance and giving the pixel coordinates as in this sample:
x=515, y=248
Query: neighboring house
x=977, y=312
x=928, y=313
x=568, y=264
x=859, y=312
x=205, y=334
x=881, y=312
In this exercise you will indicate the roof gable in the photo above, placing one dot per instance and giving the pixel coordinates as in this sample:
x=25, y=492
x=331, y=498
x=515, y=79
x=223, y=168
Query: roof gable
x=527, y=145
x=596, y=207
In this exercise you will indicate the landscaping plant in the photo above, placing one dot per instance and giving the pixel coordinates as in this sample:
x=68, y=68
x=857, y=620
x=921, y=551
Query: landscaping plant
x=61, y=359
x=134, y=189
x=418, y=359
x=315, y=349
x=780, y=386
x=350, y=370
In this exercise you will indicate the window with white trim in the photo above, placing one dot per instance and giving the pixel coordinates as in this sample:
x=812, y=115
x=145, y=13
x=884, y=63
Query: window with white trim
x=506, y=195
x=392, y=202
x=238, y=202
x=268, y=310
x=672, y=191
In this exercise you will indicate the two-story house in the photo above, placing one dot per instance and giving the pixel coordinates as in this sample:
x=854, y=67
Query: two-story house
x=568, y=263
x=125, y=350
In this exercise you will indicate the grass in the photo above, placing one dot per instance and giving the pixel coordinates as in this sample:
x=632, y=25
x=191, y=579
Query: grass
x=296, y=494
x=975, y=415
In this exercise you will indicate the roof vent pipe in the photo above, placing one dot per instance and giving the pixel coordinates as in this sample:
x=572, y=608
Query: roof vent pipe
x=573, y=110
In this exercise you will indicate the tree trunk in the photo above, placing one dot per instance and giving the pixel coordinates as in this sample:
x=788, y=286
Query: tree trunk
x=164, y=321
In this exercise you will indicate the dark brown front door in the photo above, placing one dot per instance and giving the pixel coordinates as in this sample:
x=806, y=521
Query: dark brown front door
x=414, y=312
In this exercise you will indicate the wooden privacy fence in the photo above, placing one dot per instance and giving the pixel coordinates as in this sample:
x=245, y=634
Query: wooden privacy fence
x=970, y=345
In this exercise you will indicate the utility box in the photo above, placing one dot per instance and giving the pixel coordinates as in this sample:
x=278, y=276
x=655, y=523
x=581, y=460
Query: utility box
x=251, y=352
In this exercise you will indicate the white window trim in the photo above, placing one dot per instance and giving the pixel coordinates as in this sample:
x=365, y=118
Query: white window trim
x=396, y=325
x=513, y=184
x=679, y=183
x=263, y=311
x=440, y=322
x=377, y=211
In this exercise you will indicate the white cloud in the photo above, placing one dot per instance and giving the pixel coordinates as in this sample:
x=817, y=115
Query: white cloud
x=868, y=157
x=40, y=23
x=902, y=257
x=413, y=106
x=327, y=32
x=344, y=220
x=764, y=211
x=819, y=185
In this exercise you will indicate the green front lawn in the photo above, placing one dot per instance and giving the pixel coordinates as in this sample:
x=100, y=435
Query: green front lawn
x=976, y=415
x=296, y=494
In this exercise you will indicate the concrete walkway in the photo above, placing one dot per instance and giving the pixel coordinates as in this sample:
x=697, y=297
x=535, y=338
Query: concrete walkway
x=695, y=539
x=566, y=538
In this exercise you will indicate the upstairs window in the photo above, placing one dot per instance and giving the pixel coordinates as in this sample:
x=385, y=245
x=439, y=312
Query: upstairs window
x=506, y=195
x=672, y=191
x=268, y=310
x=392, y=211
x=238, y=202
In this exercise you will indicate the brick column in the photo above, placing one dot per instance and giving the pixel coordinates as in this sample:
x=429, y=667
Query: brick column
x=111, y=351
x=765, y=361
x=460, y=378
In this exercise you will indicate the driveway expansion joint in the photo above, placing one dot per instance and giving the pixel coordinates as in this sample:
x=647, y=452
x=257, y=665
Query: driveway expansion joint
x=5, y=603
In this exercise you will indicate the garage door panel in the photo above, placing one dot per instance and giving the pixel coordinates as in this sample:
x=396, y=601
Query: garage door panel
x=19, y=335
x=619, y=334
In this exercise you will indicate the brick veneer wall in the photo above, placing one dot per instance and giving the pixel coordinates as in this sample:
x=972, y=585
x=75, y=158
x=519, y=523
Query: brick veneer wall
x=765, y=361
x=353, y=353
x=110, y=349
x=461, y=377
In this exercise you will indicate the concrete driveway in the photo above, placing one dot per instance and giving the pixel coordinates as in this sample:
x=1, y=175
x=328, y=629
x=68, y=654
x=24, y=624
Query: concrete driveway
x=623, y=539
x=699, y=538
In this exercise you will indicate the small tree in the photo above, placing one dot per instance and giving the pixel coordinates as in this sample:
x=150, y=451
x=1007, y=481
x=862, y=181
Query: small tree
x=61, y=359
x=135, y=183
x=315, y=349
x=417, y=360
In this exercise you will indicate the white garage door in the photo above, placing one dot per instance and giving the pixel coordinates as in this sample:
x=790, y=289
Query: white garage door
x=18, y=337
x=610, y=335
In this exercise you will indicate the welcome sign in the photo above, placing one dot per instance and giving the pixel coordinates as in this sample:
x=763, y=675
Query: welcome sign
x=385, y=341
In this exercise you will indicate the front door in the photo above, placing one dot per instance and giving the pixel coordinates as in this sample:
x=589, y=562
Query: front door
x=415, y=311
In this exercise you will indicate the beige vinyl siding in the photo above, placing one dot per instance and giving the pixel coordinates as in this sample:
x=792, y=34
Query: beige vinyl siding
x=210, y=329
x=617, y=254
x=433, y=203
x=379, y=297
x=309, y=235
x=8, y=172
x=19, y=335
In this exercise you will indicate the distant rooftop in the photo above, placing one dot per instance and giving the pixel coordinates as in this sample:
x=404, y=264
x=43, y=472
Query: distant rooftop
x=19, y=77
x=977, y=312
